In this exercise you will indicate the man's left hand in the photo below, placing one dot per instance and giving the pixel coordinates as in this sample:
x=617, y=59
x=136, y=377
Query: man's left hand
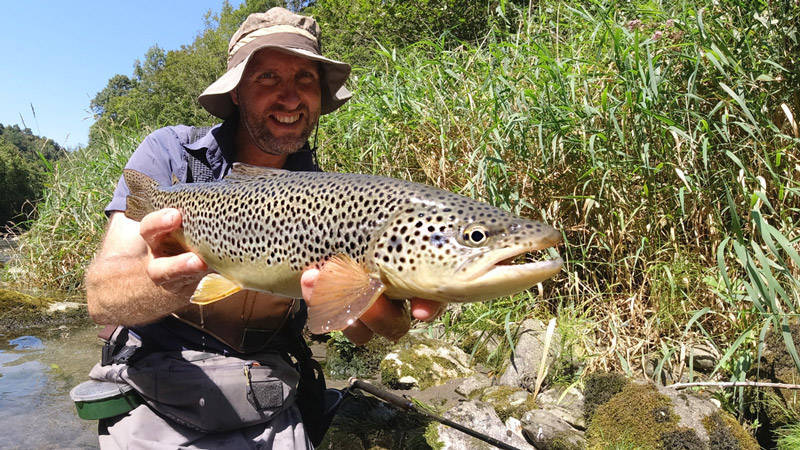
x=386, y=317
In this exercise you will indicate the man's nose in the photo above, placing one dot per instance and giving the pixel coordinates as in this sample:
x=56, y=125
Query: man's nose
x=289, y=97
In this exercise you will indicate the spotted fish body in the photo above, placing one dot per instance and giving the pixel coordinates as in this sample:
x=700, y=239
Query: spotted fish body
x=260, y=228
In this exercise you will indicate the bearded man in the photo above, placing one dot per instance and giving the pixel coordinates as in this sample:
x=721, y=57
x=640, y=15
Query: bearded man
x=226, y=374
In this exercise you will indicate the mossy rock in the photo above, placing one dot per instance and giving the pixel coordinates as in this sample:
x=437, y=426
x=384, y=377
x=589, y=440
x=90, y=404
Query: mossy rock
x=417, y=362
x=19, y=311
x=507, y=401
x=642, y=417
x=343, y=359
x=599, y=388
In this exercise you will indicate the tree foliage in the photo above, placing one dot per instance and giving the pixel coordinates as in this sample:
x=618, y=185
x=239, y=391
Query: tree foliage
x=20, y=182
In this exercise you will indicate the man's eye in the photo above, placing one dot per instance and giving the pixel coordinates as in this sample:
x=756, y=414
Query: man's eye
x=267, y=76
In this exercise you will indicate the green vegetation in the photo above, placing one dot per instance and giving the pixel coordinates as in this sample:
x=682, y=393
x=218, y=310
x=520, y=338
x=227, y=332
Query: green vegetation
x=662, y=138
x=24, y=157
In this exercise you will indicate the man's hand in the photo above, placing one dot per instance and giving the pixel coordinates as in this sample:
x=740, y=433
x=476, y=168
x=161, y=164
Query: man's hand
x=169, y=265
x=385, y=317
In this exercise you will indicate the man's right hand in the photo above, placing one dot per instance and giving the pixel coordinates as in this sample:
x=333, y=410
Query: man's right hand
x=169, y=265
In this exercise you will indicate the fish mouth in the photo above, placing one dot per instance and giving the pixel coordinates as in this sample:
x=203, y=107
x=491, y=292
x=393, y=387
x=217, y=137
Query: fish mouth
x=512, y=269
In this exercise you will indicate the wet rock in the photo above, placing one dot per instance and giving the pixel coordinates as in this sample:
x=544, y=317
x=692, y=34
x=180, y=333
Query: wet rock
x=507, y=401
x=642, y=416
x=472, y=384
x=478, y=416
x=567, y=405
x=548, y=431
x=523, y=367
x=417, y=362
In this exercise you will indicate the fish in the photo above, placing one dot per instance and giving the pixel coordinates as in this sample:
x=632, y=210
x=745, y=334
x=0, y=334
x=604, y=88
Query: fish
x=259, y=228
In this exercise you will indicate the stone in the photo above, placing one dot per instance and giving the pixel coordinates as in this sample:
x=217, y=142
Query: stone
x=566, y=404
x=546, y=430
x=524, y=365
x=507, y=401
x=472, y=384
x=644, y=416
x=478, y=416
x=418, y=363
x=702, y=359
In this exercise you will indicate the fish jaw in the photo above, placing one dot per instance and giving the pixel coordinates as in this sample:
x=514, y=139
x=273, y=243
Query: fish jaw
x=501, y=280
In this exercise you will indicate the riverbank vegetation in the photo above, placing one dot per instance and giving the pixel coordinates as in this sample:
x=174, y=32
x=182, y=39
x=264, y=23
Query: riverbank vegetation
x=661, y=138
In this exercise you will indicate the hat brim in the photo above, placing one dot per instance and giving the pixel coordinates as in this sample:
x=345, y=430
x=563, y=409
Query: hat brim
x=216, y=98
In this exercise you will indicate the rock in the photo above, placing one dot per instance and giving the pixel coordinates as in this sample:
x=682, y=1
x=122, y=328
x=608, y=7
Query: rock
x=343, y=359
x=568, y=406
x=417, y=362
x=641, y=416
x=546, y=430
x=507, y=401
x=482, y=346
x=524, y=366
x=472, y=384
x=477, y=416
x=702, y=359
x=776, y=406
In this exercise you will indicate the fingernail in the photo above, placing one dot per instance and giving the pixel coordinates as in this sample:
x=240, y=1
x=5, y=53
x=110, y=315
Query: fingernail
x=171, y=217
x=194, y=262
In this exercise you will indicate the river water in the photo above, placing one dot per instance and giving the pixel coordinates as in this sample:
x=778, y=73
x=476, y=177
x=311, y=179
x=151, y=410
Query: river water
x=37, y=371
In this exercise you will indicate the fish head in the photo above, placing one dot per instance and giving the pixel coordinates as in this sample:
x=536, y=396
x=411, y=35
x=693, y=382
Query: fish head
x=467, y=252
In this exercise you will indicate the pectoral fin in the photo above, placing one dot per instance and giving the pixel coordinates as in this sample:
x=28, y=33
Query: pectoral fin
x=343, y=291
x=213, y=287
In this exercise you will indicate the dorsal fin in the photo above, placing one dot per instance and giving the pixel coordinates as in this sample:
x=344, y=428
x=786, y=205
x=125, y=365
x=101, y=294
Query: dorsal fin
x=242, y=171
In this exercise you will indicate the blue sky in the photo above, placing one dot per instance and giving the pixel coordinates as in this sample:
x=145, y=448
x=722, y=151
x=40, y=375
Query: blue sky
x=58, y=55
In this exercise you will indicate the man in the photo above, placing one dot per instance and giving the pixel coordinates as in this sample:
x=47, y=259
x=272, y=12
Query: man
x=221, y=375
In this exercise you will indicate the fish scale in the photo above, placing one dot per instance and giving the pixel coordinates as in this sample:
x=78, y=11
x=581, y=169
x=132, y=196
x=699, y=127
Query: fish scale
x=260, y=228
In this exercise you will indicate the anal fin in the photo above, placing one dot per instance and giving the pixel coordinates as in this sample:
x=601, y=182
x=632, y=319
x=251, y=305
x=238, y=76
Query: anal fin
x=213, y=287
x=342, y=293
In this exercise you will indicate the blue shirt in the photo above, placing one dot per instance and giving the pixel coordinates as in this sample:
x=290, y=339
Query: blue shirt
x=166, y=152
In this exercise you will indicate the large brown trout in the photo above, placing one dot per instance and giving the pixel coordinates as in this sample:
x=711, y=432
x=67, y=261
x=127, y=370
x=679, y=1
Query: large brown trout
x=260, y=228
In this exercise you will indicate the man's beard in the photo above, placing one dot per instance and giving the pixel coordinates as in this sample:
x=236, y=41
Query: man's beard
x=267, y=142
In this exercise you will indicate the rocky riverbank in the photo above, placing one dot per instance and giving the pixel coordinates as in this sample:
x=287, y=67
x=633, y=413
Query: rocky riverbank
x=520, y=405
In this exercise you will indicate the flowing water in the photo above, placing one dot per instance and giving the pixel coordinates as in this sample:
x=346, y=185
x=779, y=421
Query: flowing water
x=37, y=371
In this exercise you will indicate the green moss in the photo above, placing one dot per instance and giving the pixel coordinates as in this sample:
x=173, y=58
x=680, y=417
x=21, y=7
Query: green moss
x=417, y=358
x=779, y=407
x=682, y=439
x=559, y=441
x=599, y=387
x=500, y=397
x=725, y=433
x=432, y=436
x=18, y=310
x=344, y=359
x=638, y=415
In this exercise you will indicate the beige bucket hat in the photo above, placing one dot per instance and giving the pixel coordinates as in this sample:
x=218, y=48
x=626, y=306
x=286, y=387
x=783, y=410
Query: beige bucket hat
x=281, y=29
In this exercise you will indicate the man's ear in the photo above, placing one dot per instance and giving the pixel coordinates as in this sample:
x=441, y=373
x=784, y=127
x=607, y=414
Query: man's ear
x=235, y=96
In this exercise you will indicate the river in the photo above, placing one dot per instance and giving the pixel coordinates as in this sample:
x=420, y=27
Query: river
x=37, y=371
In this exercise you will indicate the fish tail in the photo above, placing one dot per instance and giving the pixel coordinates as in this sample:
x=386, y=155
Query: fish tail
x=140, y=200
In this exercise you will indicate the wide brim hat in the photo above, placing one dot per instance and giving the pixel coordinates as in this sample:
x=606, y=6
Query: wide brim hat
x=283, y=30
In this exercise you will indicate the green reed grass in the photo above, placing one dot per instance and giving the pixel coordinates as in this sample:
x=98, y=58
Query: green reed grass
x=644, y=131
x=69, y=221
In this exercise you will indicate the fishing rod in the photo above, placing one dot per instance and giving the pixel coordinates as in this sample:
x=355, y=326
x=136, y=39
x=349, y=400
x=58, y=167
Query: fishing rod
x=406, y=404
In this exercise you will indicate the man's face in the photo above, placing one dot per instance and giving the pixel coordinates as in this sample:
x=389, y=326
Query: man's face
x=279, y=100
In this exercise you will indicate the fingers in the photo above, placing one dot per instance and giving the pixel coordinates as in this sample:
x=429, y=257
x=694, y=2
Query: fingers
x=307, y=281
x=177, y=272
x=387, y=318
x=426, y=310
x=156, y=229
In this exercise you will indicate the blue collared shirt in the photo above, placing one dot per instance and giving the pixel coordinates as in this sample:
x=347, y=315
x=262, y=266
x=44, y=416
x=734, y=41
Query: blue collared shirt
x=163, y=154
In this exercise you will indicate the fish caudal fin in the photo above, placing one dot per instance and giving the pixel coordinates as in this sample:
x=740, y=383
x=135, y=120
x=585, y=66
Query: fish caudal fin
x=213, y=287
x=140, y=200
x=343, y=291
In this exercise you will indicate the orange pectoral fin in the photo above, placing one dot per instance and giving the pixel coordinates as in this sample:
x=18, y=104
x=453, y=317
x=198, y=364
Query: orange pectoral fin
x=343, y=291
x=213, y=287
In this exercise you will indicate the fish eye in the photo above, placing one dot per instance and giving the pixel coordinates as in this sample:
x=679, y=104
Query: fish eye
x=475, y=235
